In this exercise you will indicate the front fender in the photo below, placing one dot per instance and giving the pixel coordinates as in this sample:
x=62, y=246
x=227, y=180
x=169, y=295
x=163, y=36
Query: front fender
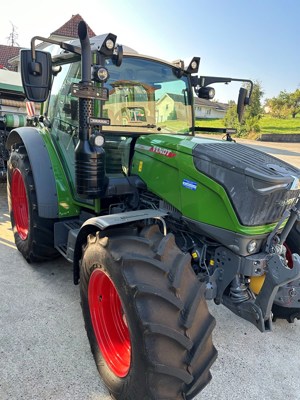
x=41, y=167
x=102, y=223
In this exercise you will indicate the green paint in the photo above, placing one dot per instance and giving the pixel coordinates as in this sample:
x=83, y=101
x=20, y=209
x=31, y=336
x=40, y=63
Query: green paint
x=165, y=161
x=66, y=205
x=15, y=88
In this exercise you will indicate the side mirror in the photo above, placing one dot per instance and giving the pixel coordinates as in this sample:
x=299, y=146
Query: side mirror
x=243, y=100
x=36, y=74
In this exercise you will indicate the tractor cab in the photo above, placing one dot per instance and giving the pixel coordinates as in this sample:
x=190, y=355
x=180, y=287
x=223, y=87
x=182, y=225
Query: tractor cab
x=129, y=95
x=145, y=96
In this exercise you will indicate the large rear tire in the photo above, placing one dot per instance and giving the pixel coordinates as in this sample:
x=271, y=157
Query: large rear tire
x=34, y=236
x=145, y=315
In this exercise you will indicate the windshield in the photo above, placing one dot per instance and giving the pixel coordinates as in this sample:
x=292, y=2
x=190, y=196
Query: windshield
x=147, y=94
x=144, y=96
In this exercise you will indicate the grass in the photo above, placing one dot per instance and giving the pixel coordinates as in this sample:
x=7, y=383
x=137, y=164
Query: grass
x=277, y=125
x=267, y=124
x=210, y=123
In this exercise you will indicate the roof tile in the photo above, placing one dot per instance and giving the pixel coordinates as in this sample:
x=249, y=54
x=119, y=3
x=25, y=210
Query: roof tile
x=70, y=28
x=6, y=53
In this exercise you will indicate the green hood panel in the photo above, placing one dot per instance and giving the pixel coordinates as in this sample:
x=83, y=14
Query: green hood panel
x=177, y=143
x=166, y=164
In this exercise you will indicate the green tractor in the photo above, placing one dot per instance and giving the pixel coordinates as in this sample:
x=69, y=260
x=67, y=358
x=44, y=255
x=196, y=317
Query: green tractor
x=155, y=219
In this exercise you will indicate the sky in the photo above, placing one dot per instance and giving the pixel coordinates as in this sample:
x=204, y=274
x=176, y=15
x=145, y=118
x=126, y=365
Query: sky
x=253, y=39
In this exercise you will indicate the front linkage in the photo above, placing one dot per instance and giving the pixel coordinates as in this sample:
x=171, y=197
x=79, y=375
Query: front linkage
x=265, y=282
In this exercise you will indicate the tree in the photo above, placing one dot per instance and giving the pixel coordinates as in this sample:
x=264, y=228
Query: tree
x=252, y=115
x=172, y=115
x=285, y=104
x=231, y=118
x=294, y=103
x=278, y=106
x=255, y=108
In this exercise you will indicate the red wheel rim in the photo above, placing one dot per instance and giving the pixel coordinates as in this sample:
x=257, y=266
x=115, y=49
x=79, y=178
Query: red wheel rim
x=289, y=256
x=19, y=204
x=109, y=323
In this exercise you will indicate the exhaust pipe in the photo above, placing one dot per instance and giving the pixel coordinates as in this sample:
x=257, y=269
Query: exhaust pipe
x=90, y=174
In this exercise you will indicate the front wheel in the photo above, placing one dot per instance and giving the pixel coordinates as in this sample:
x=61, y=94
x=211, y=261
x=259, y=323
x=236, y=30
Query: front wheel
x=287, y=302
x=145, y=315
x=293, y=239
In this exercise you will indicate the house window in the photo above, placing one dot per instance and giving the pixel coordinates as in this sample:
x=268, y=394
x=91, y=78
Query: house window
x=167, y=106
x=208, y=111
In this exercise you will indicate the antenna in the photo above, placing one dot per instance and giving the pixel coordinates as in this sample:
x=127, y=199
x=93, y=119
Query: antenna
x=13, y=36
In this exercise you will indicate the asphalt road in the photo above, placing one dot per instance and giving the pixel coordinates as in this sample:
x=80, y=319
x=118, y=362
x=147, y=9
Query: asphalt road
x=45, y=355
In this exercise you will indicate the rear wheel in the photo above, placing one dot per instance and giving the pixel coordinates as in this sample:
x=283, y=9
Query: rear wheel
x=145, y=315
x=33, y=235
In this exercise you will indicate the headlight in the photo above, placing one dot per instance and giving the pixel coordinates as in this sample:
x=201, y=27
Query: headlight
x=100, y=74
x=252, y=246
x=97, y=140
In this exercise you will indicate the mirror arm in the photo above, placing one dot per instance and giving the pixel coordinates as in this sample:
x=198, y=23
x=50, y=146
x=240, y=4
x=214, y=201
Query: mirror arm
x=208, y=80
x=62, y=45
x=248, y=81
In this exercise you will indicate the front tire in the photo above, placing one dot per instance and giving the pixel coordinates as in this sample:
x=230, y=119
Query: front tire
x=33, y=235
x=287, y=312
x=145, y=315
x=293, y=239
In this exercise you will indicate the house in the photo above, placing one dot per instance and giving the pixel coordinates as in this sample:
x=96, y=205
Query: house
x=6, y=54
x=10, y=78
x=209, y=109
x=165, y=108
x=66, y=32
x=69, y=30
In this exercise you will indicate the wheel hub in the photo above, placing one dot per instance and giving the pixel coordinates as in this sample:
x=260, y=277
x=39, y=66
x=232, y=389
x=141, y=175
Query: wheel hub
x=19, y=204
x=109, y=323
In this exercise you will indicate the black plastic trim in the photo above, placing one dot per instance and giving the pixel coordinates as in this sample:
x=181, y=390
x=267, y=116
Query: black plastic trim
x=41, y=166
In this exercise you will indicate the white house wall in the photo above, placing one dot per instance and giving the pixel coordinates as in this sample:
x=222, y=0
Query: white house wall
x=208, y=112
